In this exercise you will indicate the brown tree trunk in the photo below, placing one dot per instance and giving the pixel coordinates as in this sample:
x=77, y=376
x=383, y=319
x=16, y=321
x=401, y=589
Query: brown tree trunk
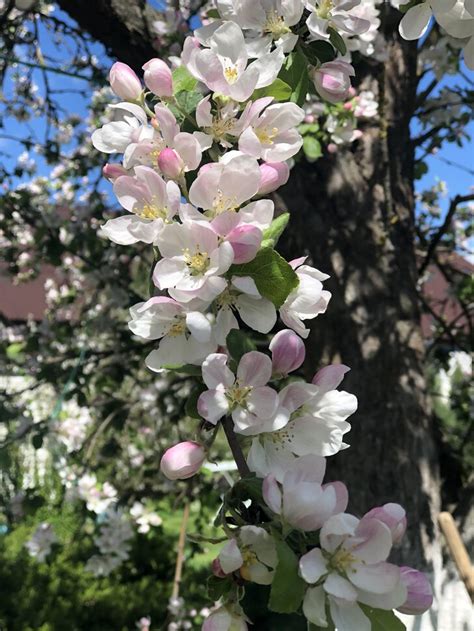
x=353, y=213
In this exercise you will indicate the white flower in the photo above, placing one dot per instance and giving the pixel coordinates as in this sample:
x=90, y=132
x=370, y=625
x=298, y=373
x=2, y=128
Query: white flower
x=245, y=396
x=415, y=22
x=145, y=517
x=252, y=553
x=272, y=135
x=186, y=336
x=151, y=201
x=193, y=261
x=41, y=541
x=115, y=137
x=308, y=300
x=223, y=68
x=336, y=14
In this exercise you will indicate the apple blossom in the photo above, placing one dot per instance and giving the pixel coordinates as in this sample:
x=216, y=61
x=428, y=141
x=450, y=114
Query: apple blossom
x=330, y=377
x=332, y=80
x=170, y=164
x=415, y=22
x=226, y=185
x=351, y=564
x=193, y=260
x=241, y=296
x=269, y=21
x=151, y=201
x=272, y=135
x=252, y=554
x=337, y=14
x=124, y=82
x=157, y=77
x=182, y=461
x=39, y=545
x=130, y=125
x=288, y=352
x=186, y=336
x=419, y=592
x=308, y=300
x=226, y=619
x=223, y=66
x=394, y=517
x=113, y=171
x=246, y=397
x=272, y=176
x=302, y=501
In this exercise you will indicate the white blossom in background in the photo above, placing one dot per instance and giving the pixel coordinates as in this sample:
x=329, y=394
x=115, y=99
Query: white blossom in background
x=40, y=543
x=145, y=517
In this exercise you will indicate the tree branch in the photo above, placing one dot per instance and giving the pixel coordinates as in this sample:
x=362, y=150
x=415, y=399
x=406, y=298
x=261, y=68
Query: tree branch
x=239, y=458
x=459, y=199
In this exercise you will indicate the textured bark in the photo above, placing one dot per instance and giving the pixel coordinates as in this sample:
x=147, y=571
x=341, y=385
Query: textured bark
x=353, y=213
x=123, y=26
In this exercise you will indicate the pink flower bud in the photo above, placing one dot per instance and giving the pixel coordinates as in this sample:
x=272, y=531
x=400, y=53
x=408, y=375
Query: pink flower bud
x=113, y=171
x=182, y=461
x=420, y=594
x=158, y=78
x=332, y=80
x=332, y=147
x=329, y=377
x=124, y=82
x=394, y=517
x=217, y=569
x=272, y=176
x=245, y=241
x=170, y=164
x=309, y=118
x=348, y=106
x=288, y=352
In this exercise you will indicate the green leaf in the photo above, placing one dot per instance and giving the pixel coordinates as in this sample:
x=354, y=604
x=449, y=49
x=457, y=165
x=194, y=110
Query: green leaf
x=280, y=91
x=312, y=148
x=247, y=488
x=238, y=343
x=337, y=41
x=183, y=80
x=274, y=277
x=275, y=229
x=319, y=52
x=14, y=351
x=288, y=587
x=382, y=620
x=185, y=369
x=190, y=407
x=218, y=587
x=295, y=74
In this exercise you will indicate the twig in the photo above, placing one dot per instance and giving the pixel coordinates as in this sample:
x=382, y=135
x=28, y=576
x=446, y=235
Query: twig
x=235, y=447
x=459, y=199
x=180, y=556
x=458, y=551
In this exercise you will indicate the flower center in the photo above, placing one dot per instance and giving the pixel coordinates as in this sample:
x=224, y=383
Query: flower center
x=221, y=128
x=225, y=299
x=231, y=74
x=275, y=25
x=265, y=135
x=237, y=395
x=197, y=263
x=342, y=560
x=178, y=327
x=220, y=203
x=250, y=558
x=152, y=210
x=324, y=9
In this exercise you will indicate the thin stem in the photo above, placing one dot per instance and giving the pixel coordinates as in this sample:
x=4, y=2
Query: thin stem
x=235, y=447
x=180, y=556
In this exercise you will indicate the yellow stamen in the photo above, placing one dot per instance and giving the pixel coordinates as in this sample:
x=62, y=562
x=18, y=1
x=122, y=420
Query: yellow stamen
x=220, y=203
x=342, y=560
x=265, y=135
x=178, y=327
x=237, y=395
x=275, y=25
x=231, y=74
x=197, y=263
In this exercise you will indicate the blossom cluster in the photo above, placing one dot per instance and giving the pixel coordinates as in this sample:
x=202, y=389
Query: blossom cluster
x=203, y=147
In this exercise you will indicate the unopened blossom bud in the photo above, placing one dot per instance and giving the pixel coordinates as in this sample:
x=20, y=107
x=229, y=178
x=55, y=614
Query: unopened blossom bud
x=124, y=82
x=420, y=593
x=329, y=377
x=332, y=147
x=272, y=176
x=288, y=352
x=158, y=78
x=112, y=171
x=332, y=80
x=217, y=569
x=182, y=460
x=394, y=517
x=170, y=164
